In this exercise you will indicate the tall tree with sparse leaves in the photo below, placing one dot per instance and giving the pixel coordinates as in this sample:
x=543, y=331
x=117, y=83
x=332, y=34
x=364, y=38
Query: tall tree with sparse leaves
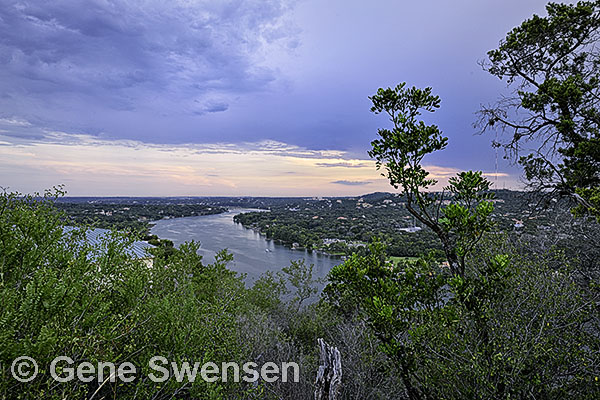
x=401, y=150
x=551, y=120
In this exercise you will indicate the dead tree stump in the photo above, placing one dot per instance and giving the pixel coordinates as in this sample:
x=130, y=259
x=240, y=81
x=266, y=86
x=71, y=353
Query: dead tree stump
x=329, y=376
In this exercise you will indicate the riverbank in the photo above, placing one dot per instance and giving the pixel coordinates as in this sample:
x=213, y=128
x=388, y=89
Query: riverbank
x=253, y=253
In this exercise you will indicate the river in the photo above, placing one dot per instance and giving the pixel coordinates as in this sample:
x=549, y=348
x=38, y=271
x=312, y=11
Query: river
x=252, y=253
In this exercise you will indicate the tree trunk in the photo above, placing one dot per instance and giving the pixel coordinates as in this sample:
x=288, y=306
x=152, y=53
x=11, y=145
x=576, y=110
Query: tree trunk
x=456, y=267
x=329, y=376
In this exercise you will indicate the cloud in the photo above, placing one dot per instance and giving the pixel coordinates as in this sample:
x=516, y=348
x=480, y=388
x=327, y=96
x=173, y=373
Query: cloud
x=495, y=174
x=352, y=183
x=90, y=165
x=14, y=122
x=213, y=106
x=148, y=56
x=342, y=165
x=297, y=72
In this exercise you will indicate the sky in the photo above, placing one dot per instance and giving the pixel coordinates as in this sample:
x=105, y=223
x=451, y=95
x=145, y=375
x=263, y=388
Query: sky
x=237, y=97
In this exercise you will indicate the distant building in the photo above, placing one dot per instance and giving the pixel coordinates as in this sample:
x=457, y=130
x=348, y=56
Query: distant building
x=411, y=229
x=519, y=224
x=327, y=242
x=355, y=244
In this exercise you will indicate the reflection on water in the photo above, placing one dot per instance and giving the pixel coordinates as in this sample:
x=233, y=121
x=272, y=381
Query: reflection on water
x=252, y=253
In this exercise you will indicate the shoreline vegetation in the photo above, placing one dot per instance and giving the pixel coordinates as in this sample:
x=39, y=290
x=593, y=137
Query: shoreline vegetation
x=331, y=226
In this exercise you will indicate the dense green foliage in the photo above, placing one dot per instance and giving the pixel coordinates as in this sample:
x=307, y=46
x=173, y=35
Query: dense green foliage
x=500, y=322
x=62, y=297
x=348, y=223
x=516, y=326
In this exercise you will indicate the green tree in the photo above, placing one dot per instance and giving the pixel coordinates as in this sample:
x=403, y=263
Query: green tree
x=393, y=301
x=515, y=326
x=62, y=295
x=553, y=66
x=401, y=150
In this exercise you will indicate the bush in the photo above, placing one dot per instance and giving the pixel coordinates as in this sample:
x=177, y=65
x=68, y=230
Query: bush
x=515, y=326
x=62, y=296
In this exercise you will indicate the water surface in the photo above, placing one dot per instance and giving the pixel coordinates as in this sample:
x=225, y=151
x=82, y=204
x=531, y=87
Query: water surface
x=252, y=253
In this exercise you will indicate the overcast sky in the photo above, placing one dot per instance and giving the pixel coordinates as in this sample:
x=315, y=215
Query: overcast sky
x=247, y=97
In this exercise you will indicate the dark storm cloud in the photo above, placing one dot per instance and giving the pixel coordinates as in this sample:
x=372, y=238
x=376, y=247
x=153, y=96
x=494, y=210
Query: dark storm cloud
x=156, y=56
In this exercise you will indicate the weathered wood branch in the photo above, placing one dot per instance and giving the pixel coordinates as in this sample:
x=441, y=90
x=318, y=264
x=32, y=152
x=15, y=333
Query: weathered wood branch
x=329, y=376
